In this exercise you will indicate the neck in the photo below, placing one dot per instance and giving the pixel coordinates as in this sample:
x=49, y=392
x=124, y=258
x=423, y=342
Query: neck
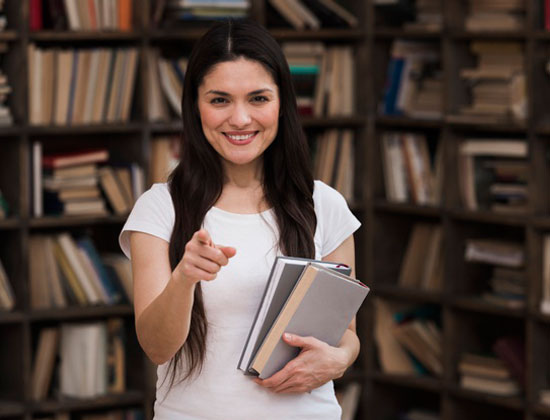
x=243, y=176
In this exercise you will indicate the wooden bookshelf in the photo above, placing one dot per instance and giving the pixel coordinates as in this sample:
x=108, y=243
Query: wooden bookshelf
x=381, y=242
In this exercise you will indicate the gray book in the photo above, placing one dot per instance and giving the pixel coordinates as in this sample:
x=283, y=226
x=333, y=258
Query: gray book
x=283, y=277
x=321, y=305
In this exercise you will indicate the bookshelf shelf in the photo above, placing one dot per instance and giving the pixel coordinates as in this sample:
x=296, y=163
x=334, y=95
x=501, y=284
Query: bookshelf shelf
x=191, y=34
x=8, y=36
x=542, y=35
x=11, y=409
x=541, y=222
x=11, y=317
x=334, y=122
x=411, y=295
x=489, y=35
x=129, y=128
x=75, y=36
x=488, y=217
x=485, y=124
x=425, y=383
x=476, y=304
x=9, y=131
x=283, y=34
x=108, y=401
x=77, y=312
x=10, y=223
x=513, y=403
x=69, y=221
x=539, y=316
x=404, y=122
x=410, y=209
x=385, y=33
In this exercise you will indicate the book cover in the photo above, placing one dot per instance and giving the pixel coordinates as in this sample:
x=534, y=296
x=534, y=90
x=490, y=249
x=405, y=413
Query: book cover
x=340, y=295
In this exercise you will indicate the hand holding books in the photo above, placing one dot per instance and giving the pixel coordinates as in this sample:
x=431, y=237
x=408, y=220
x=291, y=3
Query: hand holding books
x=305, y=298
x=203, y=259
x=316, y=364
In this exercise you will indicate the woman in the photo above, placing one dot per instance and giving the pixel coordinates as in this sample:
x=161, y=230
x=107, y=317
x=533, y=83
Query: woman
x=203, y=244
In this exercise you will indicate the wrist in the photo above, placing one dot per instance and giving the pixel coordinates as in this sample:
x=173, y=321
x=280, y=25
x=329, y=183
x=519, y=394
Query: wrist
x=182, y=280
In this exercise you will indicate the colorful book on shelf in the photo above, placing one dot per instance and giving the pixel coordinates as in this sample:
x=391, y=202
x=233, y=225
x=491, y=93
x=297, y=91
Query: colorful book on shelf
x=44, y=363
x=7, y=296
x=545, y=286
x=301, y=314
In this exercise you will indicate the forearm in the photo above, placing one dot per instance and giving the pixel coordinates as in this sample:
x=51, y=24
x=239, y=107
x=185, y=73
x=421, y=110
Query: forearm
x=163, y=326
x=350, y=344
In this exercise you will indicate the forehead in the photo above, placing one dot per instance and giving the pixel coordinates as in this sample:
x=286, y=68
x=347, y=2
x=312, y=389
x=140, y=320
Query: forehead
x=238, y=75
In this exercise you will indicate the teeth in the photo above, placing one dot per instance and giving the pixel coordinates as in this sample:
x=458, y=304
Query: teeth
x=240, y=137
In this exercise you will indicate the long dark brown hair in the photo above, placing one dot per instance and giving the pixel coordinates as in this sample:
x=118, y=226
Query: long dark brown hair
x=197, y=182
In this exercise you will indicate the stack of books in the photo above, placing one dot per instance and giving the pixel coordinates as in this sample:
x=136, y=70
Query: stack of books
x=410, y=173
x=422, y=266
x=5, y=90
x=544, y=397
x=77, y=15
x=304, y=60
x=333, y=161
x=68, y=272
x=3, y=18
x=409, y=340
x=7, y=297
x=91, y=360
x=176, y=11
x=486, y=374
x=508, y=287
x=413, y=81
x=79, y=183
x=498, y=83
x=81, y=86
x=429, y=16
x=494, y=175
x=502, y=15
x=314, y=14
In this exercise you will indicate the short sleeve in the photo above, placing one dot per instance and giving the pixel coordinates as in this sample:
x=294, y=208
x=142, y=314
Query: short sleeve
x=153, y=213
x=335, y=221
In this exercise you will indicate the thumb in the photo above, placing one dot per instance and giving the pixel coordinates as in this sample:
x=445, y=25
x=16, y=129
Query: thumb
x=298, y=341
x=228, y=251
x=204, y=237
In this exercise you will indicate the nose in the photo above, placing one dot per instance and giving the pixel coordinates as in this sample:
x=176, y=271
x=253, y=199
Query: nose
x=240, y=116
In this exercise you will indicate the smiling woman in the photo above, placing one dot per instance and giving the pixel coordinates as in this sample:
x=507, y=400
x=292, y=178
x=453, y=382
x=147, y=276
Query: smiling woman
x=202, y=245
x=239, y=108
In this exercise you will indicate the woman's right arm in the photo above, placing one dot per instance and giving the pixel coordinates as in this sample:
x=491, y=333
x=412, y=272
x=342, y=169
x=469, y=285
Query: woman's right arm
x=163, y=298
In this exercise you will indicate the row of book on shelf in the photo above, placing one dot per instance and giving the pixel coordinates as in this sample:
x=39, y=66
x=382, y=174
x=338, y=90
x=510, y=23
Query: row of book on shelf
x=493, y=172
x=496, y=85
x=75, y=183
x=479, y=15
x=81, y=86
x=314, y=14
x=80, y=360
x=422, y=266
x=76, y=15
x=65, y=271
x=409, y=342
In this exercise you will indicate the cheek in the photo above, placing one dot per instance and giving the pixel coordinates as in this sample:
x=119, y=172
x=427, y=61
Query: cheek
x=210, y=119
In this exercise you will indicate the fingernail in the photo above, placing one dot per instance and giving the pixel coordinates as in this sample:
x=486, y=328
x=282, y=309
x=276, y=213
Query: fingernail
x=288, y=336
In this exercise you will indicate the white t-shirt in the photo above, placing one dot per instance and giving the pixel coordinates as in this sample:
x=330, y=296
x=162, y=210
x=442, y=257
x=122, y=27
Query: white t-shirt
x=221, y=391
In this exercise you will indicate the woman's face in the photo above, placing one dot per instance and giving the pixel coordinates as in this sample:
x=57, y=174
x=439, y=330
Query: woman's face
x=239, y=109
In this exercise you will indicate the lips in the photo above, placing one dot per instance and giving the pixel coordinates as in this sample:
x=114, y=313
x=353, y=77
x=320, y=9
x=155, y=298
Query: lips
x=240, y=138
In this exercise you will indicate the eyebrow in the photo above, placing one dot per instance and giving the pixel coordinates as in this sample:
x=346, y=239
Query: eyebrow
x=254, y=92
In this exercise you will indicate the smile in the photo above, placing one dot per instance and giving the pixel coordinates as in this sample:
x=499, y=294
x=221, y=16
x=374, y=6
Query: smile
x=241, y=139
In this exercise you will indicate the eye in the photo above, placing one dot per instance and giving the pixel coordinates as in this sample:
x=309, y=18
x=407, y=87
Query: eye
x=219, y=100
x=260, y=98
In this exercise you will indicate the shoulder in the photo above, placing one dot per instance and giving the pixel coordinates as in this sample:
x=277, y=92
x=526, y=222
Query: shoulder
x=325, y=197
x=153, y=213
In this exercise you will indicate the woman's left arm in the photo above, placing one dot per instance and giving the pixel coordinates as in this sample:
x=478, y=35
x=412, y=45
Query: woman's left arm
x=318, y=362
